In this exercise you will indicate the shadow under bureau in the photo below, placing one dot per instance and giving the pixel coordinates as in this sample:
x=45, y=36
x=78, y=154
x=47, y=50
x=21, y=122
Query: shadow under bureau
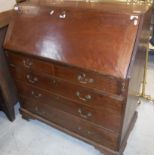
x=78, y=68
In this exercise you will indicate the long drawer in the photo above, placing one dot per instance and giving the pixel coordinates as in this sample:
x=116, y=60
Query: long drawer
x=71, y=91
x=73, y=124
x=73, y=74
x=108, y=118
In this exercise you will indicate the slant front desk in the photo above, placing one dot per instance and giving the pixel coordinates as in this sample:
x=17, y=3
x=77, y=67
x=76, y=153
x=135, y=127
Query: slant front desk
x=78, y=68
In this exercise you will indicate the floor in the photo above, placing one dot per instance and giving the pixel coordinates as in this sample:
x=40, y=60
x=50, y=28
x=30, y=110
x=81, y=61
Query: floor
x=35, y=138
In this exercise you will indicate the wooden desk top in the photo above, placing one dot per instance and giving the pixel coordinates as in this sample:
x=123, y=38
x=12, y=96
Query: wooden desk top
x=87, y=38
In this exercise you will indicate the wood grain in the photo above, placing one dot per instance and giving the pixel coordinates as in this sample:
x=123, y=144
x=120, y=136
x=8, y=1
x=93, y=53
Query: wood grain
x=77, y=71
x=5, y=18
x=7, y=88
x=98, y=47
x=79, y=76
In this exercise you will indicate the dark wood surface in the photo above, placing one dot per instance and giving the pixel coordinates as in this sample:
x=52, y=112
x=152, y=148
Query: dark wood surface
x=88, y=79
x=7, y=88
x=79, y=74
x=81, y=126
x=5, y=18
x=98, y=55
x=111, y=118
x=1, y=101
x=136, y=71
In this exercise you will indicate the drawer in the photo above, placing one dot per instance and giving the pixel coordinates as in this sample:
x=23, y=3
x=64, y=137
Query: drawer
x=76, y=75
x=89, y=79
x=107, y=118
x=75, y=124
x=29, y=63
x=71, y=91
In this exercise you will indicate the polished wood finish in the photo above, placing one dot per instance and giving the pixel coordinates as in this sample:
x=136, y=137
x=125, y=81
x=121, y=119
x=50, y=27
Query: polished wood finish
x=1, y=101
x=7, y=88
x=82, y=127
x=79, y=70
x=5, y=18
x=75, y=92
x=136, y=71
x=73, y=74
x=111, y=118
x=57, y=48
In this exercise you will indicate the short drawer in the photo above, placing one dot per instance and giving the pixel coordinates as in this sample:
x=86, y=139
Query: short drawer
x=71, y=91
x=76, y=75
x=29, y=63
x=75, y=124
x=108, y=118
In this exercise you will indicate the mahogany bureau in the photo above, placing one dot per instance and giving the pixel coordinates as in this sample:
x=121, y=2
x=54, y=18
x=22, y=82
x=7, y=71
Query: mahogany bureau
x=78, y=68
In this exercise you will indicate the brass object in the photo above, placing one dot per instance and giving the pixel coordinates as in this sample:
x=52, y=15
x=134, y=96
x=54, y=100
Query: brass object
x=85, y=98
x=140, y=1
x=36, y=95
x=31, y=79
x=12, y=65
x=84, y=80
x=86, y=116
x=123, y=87
x=142, y=94
x=19, y=1
x=27, y=63
x=79, y=128
x=36, y=108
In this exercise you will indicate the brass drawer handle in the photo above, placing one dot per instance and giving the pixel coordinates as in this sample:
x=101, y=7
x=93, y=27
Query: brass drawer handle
x=36, y=95
x=31, y=79
x=62, y=15
x=12, y=65
x=43, y=112
x=53, y=82
x=87, y=132
x=86, y=116
x=85, y=98
x=36, y=109
x=27, y=63
x=84, y=80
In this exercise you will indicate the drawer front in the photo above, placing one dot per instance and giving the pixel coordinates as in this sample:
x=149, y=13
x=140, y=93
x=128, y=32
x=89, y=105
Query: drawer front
x=107, y=118
x=75, y=124
x=72, y=74
x=29, y=63
x=67, y=90
x=89, y=79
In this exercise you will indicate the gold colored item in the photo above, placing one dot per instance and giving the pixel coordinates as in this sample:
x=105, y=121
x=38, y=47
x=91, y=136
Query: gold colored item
x=143, y=95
